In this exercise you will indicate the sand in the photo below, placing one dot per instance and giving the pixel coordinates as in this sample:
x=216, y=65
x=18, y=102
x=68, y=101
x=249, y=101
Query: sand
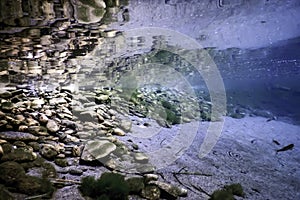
x=245, y=153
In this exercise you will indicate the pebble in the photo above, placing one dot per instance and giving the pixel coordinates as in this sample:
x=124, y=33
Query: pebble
x=48, y=151
x=119, y=132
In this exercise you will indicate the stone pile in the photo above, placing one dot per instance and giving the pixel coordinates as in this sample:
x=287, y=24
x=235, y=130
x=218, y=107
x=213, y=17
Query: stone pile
x=55, y=129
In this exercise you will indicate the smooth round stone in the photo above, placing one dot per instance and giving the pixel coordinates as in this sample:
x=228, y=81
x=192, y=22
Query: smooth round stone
x=141, y=157
x=43, y=118
x=119, y=132
x=126, y=125
x=97, y=149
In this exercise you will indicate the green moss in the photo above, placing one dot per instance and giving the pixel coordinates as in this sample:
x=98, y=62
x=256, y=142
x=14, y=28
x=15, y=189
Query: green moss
x=110, y=186
x=227, y=192
x=83, y=13
x=98, y=12
x=89, y=2
x=235, y=189
x=222, y=195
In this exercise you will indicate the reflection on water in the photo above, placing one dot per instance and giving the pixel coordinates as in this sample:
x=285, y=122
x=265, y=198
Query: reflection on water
x=62, y=43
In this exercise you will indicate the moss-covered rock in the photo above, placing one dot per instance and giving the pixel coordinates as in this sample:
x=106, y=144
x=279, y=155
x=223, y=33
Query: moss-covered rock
x=110, y=186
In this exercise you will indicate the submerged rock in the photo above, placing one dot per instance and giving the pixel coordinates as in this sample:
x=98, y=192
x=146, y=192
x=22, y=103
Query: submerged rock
x=97, y=149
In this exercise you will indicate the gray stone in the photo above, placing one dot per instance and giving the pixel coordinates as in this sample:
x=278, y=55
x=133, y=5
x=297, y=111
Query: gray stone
x=126, y=125
x=151, y=192
x=97, y=149
x=141, y=157
x=170, y=189
x=52, y=126
x=119, y=132
x=48, y=151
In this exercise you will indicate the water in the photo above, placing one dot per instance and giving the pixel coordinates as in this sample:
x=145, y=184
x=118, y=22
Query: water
x=85, y=47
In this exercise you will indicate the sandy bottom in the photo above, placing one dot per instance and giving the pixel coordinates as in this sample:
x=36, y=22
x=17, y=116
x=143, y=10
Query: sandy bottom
x=245, y=153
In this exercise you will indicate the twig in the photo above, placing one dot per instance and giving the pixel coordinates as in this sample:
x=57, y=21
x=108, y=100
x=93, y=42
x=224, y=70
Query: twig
x=200, y=189
x=193, y=173
x=65, y=181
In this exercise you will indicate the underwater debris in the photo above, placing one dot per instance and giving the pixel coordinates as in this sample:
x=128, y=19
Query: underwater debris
x=288, y=147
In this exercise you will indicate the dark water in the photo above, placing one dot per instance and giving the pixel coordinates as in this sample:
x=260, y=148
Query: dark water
x=64, y=44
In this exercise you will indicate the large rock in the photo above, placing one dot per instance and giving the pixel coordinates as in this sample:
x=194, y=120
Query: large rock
x=97, y=149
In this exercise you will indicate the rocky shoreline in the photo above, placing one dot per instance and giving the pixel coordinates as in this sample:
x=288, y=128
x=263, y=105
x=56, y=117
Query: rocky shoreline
x=51, y=139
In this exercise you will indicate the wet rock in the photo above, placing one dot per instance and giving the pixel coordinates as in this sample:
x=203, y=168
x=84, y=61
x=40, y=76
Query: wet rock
x=151, y=192
x=48, y=151
x=170, y=189
x=77, y=151
x=7, y=106
x=5, y=95
x=150, y=177
x=119, y=132
x=37, y=103
x=52, y=126
x=43, y=118
x=126, y=125
x=35, y=146
x=97, y=149
x=56, y=101
x=141, y=157
x=62, y=162
x=14, y=135
x=23, y=128
x=32, y=122
x=75, y=171
x=135, y=184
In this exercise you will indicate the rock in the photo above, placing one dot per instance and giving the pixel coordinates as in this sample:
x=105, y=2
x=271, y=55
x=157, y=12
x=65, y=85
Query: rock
x=2, y=114
x=87, y=116
x=77, y=150
x=7, y=106
x=23, y=128
x=14, y=135
x=126, y=125
x=32, y=122
x=11, y=172
x=101, y=99
x=97, y=149
x=5, y=95
x=43, y=118
x=141, y=157
x=52, y=126
x=119, y=132
x=37, y=103
x=35, y=146
x=56, y=101
x=48, y=151
x=75, y=171
x=151, y=192
x=135, y=184
x=62, y=162
x=150, y=177
x=34, y=130
x=170, y=189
